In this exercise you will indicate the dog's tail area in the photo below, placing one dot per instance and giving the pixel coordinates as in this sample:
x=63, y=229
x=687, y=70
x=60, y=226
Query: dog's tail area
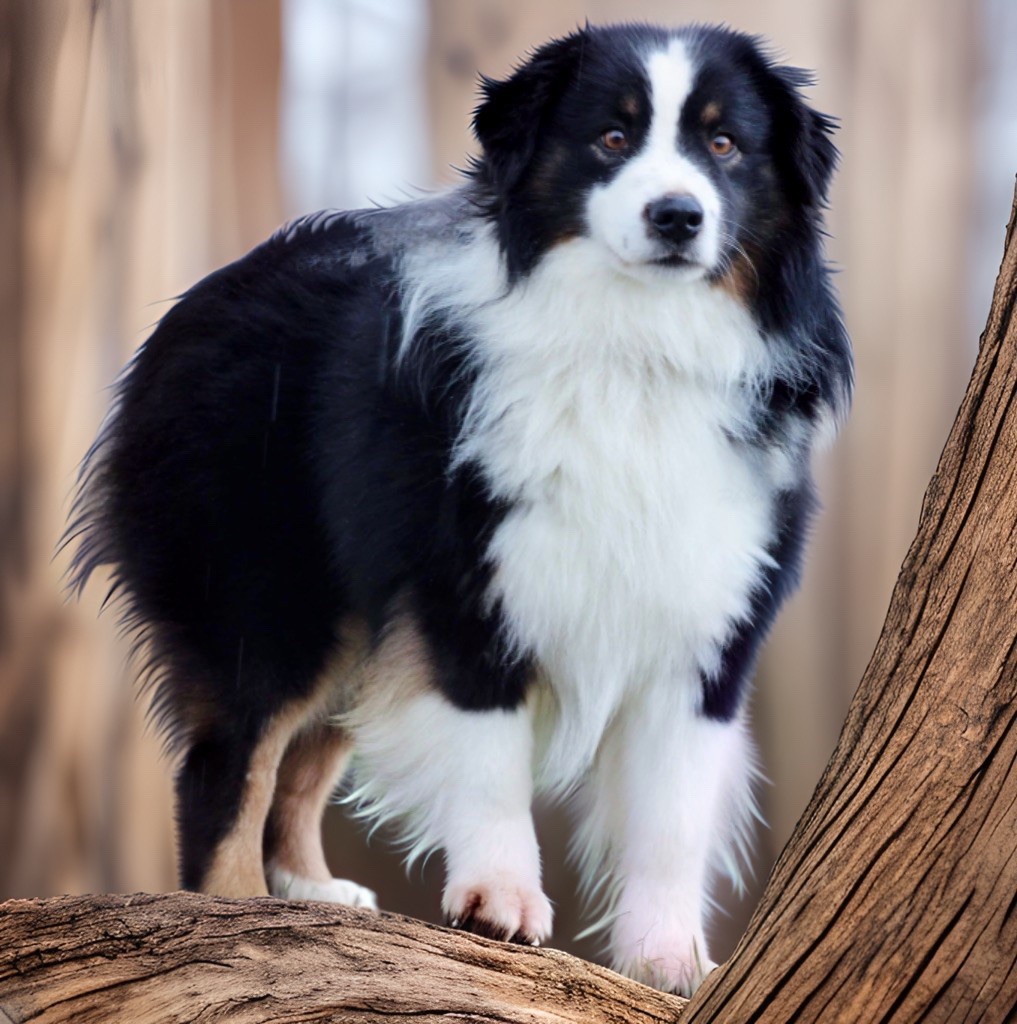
x=89, y=530
x=94, y=536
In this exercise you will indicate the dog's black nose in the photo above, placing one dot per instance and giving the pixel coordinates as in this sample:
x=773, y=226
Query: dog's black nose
x=676, y=218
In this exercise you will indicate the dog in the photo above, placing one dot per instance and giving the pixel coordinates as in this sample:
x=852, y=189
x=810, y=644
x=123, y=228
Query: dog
x=500, y=489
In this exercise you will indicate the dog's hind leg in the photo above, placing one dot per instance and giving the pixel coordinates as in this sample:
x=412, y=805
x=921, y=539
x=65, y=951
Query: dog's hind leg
x=225, y=788
x=295, y=862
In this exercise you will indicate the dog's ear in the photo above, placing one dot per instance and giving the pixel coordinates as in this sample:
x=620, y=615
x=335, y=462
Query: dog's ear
x=802, y=141
x=508, y=121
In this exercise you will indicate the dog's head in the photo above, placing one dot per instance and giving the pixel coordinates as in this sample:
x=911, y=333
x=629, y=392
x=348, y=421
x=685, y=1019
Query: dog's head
x=681, y=152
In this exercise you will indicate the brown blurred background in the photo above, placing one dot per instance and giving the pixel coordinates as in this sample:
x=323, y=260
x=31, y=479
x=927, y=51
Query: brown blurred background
x=144, y=142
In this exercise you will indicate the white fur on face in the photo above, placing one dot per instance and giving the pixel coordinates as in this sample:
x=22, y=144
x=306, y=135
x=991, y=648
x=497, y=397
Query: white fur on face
x=616, y=210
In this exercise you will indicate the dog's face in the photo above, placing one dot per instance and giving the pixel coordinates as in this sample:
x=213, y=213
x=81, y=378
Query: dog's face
x=683, y=153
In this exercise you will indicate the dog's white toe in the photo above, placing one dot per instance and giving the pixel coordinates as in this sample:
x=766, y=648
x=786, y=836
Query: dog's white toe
x=289, y=886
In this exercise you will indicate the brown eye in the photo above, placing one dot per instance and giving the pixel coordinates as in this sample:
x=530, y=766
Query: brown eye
x=615, y=140
x=722, y=145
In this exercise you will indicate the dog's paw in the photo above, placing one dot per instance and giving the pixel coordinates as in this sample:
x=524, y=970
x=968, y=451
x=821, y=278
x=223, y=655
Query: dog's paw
x=288, y=886
x=674, y=963
x=499, y=908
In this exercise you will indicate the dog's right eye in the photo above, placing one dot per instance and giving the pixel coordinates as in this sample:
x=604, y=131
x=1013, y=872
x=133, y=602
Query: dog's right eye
x=723, y=145
x=614, y=140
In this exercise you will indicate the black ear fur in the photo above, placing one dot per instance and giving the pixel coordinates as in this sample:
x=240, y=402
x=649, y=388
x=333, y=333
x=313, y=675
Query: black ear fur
x=508, y=121
x=802, y=142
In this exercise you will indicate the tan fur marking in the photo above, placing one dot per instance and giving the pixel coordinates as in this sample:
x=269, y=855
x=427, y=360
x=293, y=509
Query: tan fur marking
x=345, y=676
x=400, y=669
x=301, y=756
x=236, y=868
x=309, y=773
x=630, y=105
x=711, y=114
x=740, y=280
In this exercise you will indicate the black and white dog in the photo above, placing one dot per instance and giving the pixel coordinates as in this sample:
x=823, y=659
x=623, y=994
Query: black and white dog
x=497, y=491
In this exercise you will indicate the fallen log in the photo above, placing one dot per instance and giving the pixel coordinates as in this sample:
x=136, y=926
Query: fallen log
x=187, y=957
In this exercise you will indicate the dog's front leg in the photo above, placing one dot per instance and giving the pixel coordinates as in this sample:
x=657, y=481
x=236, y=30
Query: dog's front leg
x=659, y=815
x=460, y=780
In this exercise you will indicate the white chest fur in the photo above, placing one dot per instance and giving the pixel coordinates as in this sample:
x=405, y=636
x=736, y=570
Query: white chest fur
x=607, y=412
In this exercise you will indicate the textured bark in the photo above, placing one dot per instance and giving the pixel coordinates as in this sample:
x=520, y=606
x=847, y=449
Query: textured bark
x=185, y=957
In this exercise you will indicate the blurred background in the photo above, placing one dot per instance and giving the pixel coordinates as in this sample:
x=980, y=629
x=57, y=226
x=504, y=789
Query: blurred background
x=145, y=142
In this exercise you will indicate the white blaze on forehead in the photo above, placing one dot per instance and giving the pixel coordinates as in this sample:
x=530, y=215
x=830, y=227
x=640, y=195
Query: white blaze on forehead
x=670, y=73
x=616, y=209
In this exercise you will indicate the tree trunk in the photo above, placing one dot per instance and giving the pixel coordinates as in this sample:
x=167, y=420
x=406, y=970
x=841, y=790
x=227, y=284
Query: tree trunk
x=894, y=900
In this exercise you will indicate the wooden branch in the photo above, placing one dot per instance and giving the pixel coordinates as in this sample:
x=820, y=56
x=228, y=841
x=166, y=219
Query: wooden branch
x=186, y=957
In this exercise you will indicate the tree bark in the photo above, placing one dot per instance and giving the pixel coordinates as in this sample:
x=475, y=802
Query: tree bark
x=186, y=957
x=894, y=900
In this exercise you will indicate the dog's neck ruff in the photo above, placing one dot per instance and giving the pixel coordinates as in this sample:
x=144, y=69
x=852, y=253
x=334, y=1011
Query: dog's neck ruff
x=606, y=412
x=579, y=305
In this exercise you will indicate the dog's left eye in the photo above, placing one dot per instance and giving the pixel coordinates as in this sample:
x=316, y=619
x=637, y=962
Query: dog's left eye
x=723, y=145
x=615, y=140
